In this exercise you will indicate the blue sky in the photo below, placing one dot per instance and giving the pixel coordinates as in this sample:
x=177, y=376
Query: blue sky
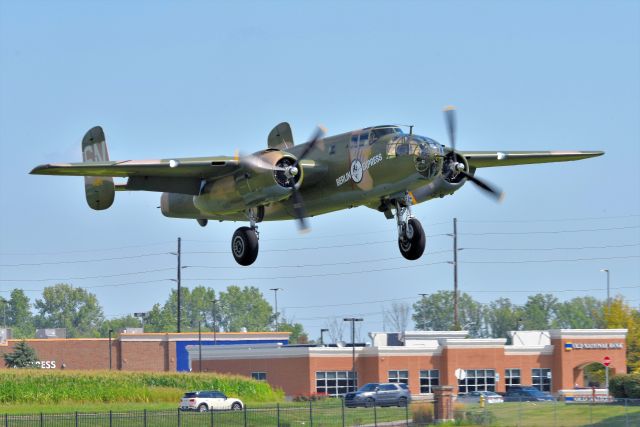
x=177, y=79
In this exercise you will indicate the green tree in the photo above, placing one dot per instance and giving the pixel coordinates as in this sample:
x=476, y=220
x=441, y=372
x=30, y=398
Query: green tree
x=537, y=313
x=160, y=319
x=118, y=323
x=620, y=315
x=19, y=316
x=579, y=313
x=244, y=308
x=63, y=306
x=298, y=335
x=503, y=316
x=435, y=313
x=23, y=356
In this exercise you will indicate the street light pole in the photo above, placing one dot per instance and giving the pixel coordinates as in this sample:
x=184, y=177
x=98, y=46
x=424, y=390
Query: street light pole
x=213, y=314
x=606, y=270
x=322, y=331
x=353, y=321
x=275, y=292
x=110, y=332
x=424, y=313
x=4, y=308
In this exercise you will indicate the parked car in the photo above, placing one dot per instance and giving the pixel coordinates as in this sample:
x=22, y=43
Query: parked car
x=527, y=394
x=379, y=394
x=203, y=401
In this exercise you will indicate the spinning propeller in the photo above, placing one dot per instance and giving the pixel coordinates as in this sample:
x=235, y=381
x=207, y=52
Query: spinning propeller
x=459, y=168
x=290, y=172
x=298, y=203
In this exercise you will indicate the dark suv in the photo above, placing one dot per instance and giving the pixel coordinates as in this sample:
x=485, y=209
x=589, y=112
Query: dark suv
x=523, y=393
x=379, y=394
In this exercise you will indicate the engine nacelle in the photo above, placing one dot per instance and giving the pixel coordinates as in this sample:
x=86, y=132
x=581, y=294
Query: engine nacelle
x=252, y=186
x=449, y=180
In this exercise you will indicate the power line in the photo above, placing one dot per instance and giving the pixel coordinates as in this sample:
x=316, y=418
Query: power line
x=83, y=250
x=550, y=249
x=583, y=230
x=87, y=277
x=305, y=276
x=493, y=221
x=531, y=261
x=111, y=285
x=315, y=265
x=31, y=264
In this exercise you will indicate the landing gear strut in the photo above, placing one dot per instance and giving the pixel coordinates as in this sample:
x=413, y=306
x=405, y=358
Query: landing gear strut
x=244, y=243
x=411, y=237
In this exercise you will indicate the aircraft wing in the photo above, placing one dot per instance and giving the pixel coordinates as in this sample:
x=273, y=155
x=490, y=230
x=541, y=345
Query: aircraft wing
x=176, y=175
x=197, y=167
x=486, y=159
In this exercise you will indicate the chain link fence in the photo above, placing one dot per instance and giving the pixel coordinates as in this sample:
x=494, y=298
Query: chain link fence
x=332, y=413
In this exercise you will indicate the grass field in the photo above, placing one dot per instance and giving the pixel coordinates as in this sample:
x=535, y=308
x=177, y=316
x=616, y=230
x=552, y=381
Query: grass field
x=330, y=414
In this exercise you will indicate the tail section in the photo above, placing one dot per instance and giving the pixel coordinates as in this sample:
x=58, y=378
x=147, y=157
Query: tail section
x=99, y=190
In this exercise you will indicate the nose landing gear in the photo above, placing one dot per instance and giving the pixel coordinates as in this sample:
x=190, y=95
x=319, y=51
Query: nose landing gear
x=411, y=237
x=244, y=243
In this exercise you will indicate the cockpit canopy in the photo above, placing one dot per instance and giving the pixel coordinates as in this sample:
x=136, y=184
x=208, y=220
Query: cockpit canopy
x=370, y=136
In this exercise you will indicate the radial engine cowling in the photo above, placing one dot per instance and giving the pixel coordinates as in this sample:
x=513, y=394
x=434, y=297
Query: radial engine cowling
x=449, y=180
x=257, y=183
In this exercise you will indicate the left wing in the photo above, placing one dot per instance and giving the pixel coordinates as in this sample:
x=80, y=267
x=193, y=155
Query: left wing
x=194, y=167
x=485, y=159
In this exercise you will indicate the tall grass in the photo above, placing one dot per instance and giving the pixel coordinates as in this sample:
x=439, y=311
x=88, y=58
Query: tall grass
x=33, y=385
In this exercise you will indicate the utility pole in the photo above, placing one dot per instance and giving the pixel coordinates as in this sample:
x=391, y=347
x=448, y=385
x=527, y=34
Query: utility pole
x=353, y=321
x=179, y=290
x=424, y=313
x=275, y=291
x=456, y=321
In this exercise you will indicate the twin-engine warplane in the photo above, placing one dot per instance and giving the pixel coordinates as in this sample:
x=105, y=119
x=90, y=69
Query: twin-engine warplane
x=381, y=167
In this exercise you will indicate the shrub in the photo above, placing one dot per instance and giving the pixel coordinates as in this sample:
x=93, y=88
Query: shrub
x=422, y=413
x=632, y=386
x=458, y=412
x=616, y=386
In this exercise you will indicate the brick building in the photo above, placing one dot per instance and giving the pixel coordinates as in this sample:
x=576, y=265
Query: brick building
x=550, y=360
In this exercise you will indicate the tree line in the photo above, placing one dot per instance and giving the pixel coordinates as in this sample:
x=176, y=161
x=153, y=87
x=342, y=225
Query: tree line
x=236, y=309
x=79, y=312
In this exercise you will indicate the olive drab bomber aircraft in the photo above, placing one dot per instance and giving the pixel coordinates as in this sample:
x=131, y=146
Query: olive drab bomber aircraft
x=381, y=167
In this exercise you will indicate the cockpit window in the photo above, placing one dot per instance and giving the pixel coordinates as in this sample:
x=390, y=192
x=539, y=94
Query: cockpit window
x=377, y=133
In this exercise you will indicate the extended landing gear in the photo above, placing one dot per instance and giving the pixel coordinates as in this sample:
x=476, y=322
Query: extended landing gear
x=411, y=237
x=244, y=243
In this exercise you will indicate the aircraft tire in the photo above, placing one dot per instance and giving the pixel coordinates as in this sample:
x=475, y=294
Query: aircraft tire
x=244, y=245
x=412, y=246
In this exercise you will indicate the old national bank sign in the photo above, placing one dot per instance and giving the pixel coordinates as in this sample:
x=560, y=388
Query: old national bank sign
x=568, y=346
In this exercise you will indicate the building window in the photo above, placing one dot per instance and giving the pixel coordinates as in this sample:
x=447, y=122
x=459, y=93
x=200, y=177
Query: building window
x=399, y=377
x=335, y=383
x=260, y=376
x=541, y=379
x=511, y=377
x=429, y=379
x=478, y=380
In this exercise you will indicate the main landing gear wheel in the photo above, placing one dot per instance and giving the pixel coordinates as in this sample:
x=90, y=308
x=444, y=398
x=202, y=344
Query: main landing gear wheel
x=413, y=241
x=244, y=245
